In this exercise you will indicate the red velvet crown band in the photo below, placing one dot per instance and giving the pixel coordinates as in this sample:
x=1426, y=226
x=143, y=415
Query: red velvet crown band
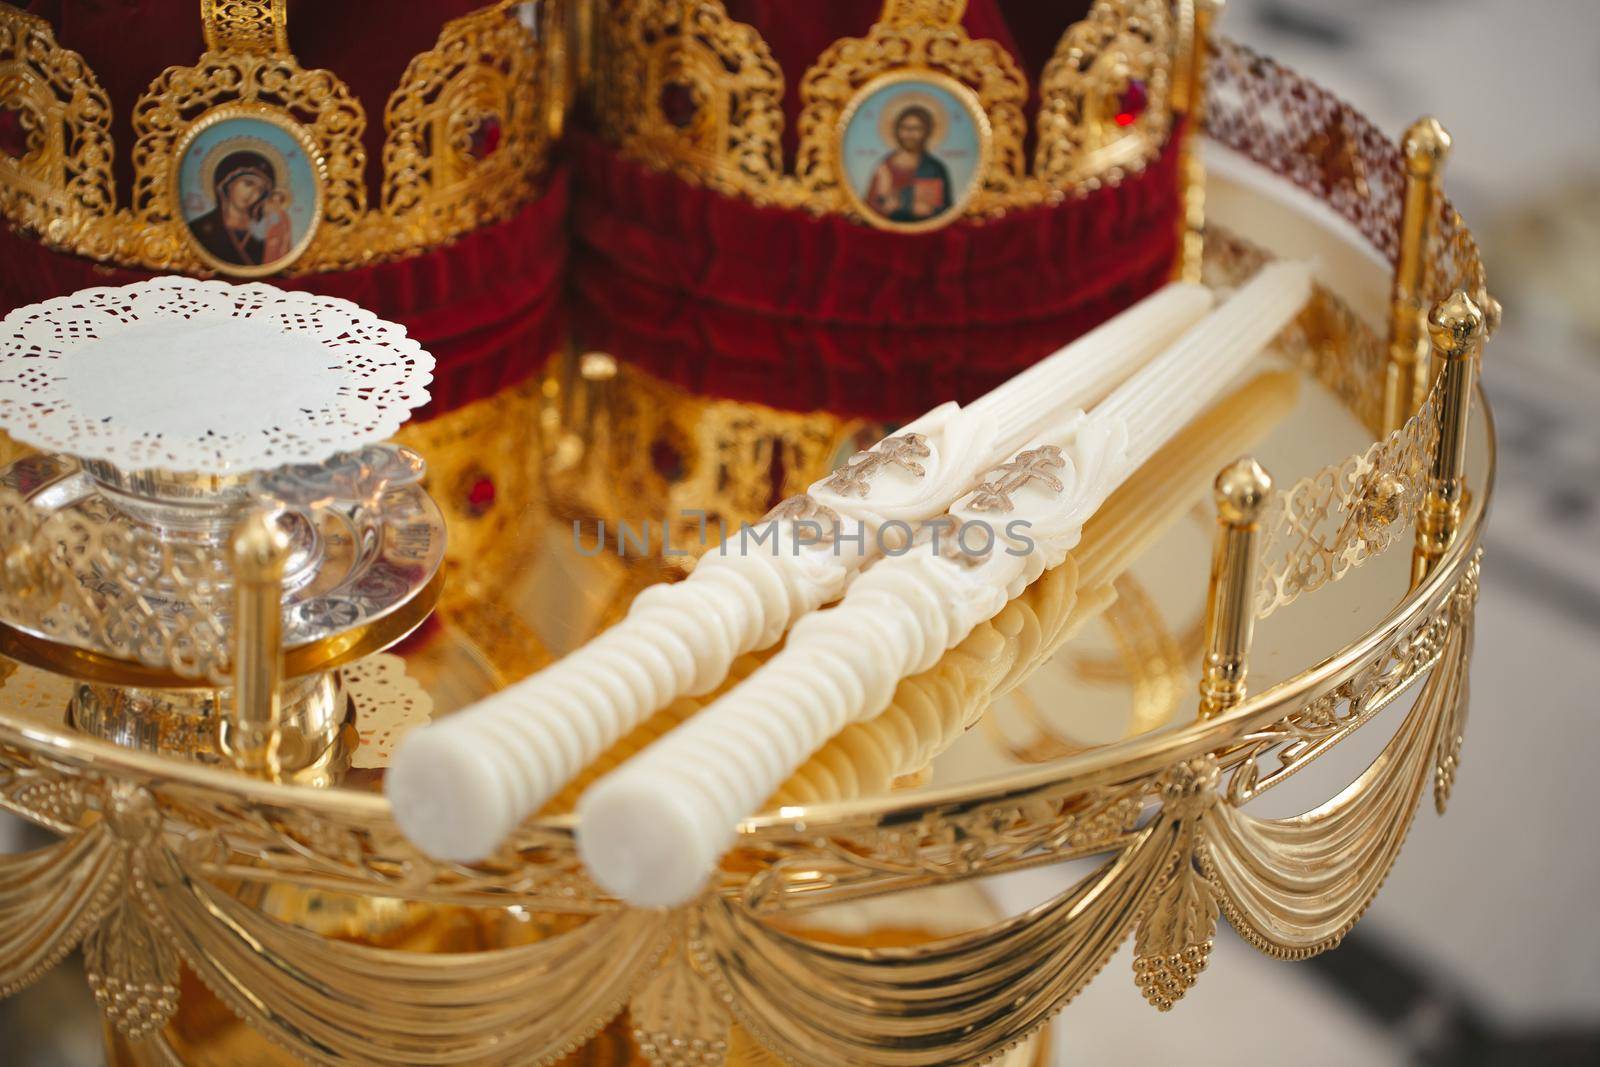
x=711, y=292
x=727, y=298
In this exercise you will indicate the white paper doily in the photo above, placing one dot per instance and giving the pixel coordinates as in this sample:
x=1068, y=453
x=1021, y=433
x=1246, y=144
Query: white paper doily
x=204, y=376
x=389, y=704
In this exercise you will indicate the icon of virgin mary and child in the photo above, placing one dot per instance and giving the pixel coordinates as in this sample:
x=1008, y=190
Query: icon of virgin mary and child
x=249, y=225
x=911, y=184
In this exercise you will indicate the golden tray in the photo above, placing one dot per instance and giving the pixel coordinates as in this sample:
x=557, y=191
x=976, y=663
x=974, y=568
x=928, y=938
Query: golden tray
x=226, y=918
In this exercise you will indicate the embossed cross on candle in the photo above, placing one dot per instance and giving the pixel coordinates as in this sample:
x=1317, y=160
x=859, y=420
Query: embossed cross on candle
x=903, y=451
x=1035, y=465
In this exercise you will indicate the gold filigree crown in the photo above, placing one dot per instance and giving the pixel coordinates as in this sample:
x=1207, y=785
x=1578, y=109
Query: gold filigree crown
x=684, y=87
x=468, y=131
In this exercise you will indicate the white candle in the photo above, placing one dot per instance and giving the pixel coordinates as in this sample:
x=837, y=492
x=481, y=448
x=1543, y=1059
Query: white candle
x=931, y=710
x=460, y=786
x=652, y=831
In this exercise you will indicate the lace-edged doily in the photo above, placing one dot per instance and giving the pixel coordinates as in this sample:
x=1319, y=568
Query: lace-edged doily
x=389, y=703
x=204, y=376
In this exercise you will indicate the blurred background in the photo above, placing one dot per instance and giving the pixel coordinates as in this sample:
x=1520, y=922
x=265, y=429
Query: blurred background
x=1484, y=947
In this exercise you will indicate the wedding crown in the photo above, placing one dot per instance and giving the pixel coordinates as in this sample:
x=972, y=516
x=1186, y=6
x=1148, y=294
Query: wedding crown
x=684, y=87
x=247, y=164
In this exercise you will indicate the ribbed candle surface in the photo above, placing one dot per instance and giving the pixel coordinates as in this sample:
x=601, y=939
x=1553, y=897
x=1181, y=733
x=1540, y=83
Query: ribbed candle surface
x=460, y=786
x=652, y=831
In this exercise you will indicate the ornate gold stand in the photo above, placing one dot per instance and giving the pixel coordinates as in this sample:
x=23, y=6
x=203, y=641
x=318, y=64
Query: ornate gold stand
x=220, y=909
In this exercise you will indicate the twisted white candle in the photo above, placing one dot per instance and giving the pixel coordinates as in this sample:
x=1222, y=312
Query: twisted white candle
x=654, y=830
x=461, y=785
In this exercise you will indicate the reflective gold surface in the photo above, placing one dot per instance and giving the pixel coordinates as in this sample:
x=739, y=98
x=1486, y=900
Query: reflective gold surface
x=1426, y=147
x=984, y=809
x=1241, y=494
x=165, y=868
x=487, y=66
x=206, y=1034
x=321, y=655
x=730, y=135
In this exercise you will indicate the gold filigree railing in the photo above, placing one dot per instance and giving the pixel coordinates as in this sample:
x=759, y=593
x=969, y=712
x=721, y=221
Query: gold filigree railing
x=1179, y=850
x=147, y=844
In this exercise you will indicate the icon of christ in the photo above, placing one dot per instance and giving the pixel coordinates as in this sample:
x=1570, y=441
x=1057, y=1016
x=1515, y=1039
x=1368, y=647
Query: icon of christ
x=911, y=184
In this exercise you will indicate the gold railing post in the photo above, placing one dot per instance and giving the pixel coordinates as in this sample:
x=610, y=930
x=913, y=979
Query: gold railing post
x=1456, y=327
x=1426, y=146
x=1241, y=493
x=1189, y=99
x=260, y=551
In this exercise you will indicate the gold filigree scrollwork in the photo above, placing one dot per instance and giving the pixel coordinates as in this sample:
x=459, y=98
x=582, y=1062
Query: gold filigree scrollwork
x=1300, y=738
x=274, y=85
x=1328, y=340
x=1298, y=129
x=1332, y=521
x=701, y=464
x=466, y=130
x=254, y=841
x=1328, y=523
x=1199, y=857
x=695, y=92
x=62, y=180
x=1177, y=842
x=1455, y=263
x=944, y=846
x=1294, y=887
x=101, y=586
x=256, y=27
x=1105, y=95
x=138, y=876
x=1271, y=114
x=471, y=128
x=689, y=90
x=923, y=12
x=983, y=68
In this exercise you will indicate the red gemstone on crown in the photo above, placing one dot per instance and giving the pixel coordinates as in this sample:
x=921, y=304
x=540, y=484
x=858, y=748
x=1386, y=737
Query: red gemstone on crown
x=1135, y=98
x=485, y=138
x=480, y=496
x=678, y=104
